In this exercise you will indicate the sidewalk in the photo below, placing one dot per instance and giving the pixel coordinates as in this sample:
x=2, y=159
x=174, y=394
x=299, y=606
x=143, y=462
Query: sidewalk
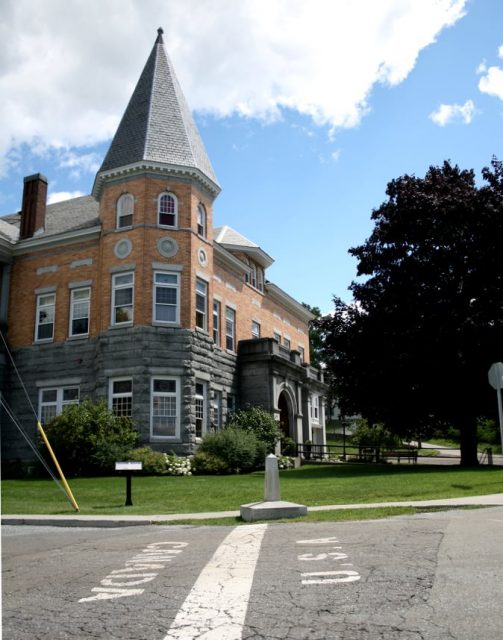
x=77, y=520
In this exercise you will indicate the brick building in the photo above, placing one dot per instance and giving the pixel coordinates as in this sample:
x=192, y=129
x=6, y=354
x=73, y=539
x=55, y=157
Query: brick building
x=130, y=295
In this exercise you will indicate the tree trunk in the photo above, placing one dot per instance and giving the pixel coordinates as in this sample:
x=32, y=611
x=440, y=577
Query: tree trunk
x=468, y=430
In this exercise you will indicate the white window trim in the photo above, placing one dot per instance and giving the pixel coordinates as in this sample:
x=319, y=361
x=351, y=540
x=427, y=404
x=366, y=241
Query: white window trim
x=72, y=301
x=218, y=329
x=167, y=226
x=156, y=438
x=114, y=290
x=119, y=214
x=204, y=397
x=60, y=403
x=216, y=405
x=175, y=322
x=206, y=298
x=201, y=209
x=233, y=350
x=111, y=394
x=37, y=317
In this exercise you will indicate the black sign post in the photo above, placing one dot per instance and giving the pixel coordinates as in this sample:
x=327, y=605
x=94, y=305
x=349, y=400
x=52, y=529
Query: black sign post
x=128, y=466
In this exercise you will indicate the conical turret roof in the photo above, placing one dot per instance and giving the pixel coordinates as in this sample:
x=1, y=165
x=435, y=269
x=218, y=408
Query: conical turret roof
x=157, y=129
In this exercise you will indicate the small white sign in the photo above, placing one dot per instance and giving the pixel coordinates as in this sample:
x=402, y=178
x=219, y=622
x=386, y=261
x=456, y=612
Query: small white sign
x=128, y=465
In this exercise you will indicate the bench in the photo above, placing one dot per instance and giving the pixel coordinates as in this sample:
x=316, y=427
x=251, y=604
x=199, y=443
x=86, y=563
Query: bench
x=410, y=454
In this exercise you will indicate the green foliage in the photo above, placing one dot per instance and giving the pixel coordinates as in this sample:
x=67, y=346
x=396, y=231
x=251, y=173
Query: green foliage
x=236, y=447
x=153, y=462
x=375, y=436
x=87, y=438
x=315, y=337
x=204, y=463
x=178, y=466
x=488, y=431
x=259, y=422
x=414, y=348
x=288, y=446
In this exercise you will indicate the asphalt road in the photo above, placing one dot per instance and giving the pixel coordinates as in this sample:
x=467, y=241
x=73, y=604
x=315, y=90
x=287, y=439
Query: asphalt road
x=433, y=576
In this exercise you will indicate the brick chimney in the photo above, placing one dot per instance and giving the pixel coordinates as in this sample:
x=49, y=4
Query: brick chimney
x=34, y=202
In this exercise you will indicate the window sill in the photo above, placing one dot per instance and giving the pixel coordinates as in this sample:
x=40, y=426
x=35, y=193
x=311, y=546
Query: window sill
x=172, y=439
x=160, y=323
x=44, y=341
x=83, y=336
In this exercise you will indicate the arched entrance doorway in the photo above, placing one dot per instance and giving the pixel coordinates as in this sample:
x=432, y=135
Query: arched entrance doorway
x=284, y=414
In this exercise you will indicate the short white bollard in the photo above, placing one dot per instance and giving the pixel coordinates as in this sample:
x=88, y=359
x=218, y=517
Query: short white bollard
x=271, y=484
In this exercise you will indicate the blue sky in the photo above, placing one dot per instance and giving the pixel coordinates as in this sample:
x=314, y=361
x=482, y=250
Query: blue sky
x=307, y=107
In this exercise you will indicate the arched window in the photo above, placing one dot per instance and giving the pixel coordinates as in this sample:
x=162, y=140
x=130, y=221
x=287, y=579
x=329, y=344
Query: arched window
x=201, y=220
x=125, y=208
x=167, y=210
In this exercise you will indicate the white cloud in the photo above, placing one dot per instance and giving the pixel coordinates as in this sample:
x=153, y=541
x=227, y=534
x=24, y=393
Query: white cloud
x=449, y=113
x=67, y=68
x=492, y=82
x=60, y=196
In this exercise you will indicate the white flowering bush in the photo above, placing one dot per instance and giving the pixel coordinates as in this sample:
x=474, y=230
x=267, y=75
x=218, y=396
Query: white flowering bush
x=285, y=462
x=176, y=466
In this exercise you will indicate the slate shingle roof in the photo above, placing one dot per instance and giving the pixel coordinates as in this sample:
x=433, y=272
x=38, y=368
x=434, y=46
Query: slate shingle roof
x=157, y=125
x=60, y=217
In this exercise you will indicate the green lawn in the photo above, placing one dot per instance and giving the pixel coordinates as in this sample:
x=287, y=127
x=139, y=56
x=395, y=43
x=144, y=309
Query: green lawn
x=310, y=485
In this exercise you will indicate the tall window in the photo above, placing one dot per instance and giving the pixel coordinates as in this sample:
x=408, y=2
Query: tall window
x=216, y=322
x=166, y=297
x=217, y=410
x=46, y=305
x=51, y=402
x=167, y=210
x=125, y=208
x=302, y=353
x=165, y=412
x=79, y=311
x=201, y=220
x=287, y=343
x=315, y=408
x=277, y=337
x=120, y=399
x=200, y=407
x=201, y=304
x=122, y=298
x=230, y=329
x=255, y=329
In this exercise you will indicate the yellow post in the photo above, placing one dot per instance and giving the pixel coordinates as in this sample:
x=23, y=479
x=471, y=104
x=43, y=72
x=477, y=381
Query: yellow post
x=63, y=479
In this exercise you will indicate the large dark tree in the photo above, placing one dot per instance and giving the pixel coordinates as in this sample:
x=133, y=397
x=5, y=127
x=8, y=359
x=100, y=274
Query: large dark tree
x=414, y=349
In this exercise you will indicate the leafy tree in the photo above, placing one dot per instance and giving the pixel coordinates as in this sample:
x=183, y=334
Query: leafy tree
x=315, y=339
x=88, y=438
x=259, y=422
x=414, y=348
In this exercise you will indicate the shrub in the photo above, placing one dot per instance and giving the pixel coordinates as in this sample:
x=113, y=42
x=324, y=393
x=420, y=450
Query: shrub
x=236, y=447
x=176, y=466
x=204, y=463
x=375, y=436
x=285, y=462
x=488, y=431
x=88, y=438
x=260, y=422
x=153, y=462
x=288, y=446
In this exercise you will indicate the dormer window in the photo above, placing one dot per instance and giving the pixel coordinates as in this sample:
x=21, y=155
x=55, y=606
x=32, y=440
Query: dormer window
x=201, y=220
x=167, y=210
x=255, y=277
x=125, y=208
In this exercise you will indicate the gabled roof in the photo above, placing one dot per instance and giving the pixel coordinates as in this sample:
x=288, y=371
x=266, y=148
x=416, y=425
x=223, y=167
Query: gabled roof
x=61, y=217
x=157, y=129
x=233, y=241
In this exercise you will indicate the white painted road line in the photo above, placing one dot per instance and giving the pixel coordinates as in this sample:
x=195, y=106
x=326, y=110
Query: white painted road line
x=215, y=608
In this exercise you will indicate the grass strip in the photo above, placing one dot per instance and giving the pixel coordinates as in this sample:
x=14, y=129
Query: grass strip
x=334, y=515
x=311, y=485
